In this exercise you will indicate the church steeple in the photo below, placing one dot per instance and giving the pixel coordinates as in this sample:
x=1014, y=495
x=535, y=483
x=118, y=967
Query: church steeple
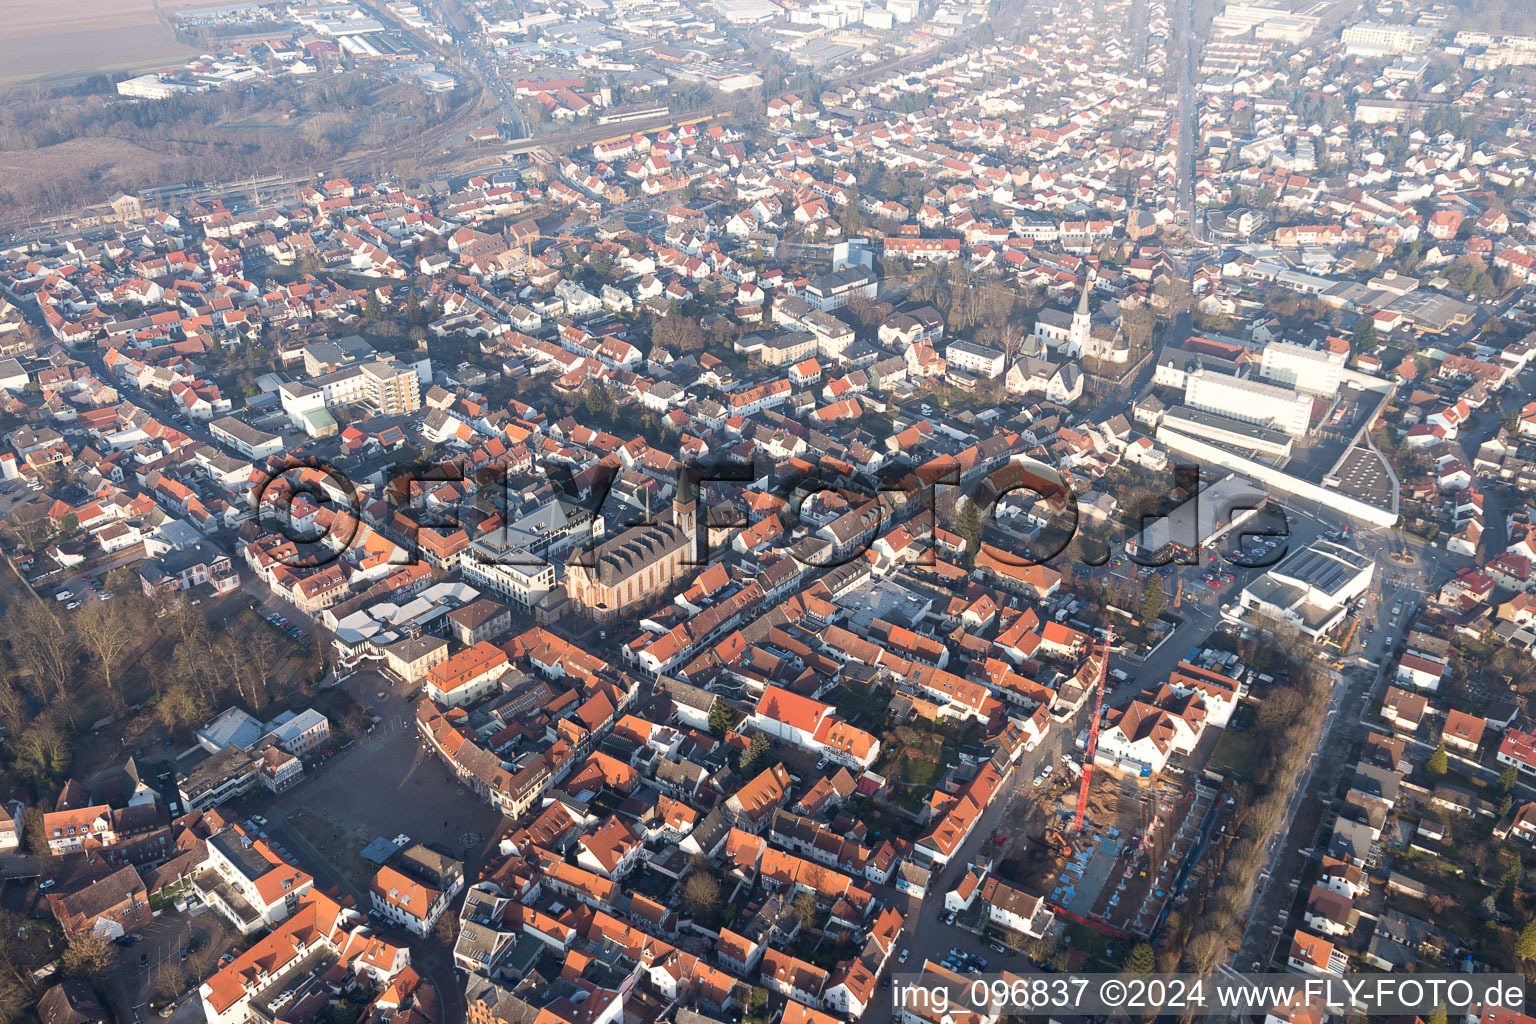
x=685, y=503
x=1082, y=322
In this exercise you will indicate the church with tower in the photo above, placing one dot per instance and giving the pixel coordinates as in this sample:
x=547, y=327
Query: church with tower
x=1080, y=334
x=625, y=573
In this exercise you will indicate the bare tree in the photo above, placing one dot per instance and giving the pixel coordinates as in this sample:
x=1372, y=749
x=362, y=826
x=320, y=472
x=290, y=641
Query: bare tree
x=41, y=750
x=701, y=893
x=179, y=705
x=106, y=632
x=237, y=667
x=1204, y=951
x=51, y=652
x=87, y=956
x=12, y=706
x=261, y=647
x=29, y=525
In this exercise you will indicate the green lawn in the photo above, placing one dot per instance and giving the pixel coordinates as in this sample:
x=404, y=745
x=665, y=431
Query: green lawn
x=1235, y=754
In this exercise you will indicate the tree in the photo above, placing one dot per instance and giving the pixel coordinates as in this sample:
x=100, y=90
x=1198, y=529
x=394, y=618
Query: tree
x=757, y=749
x=1508, y=778
x=1141, y=959
x=68, y=526
x=701, y=894
x=1365, y=334
x=107, y=634
x=47, y=649
x=179, y=705
x=721, y=718
x=29, y=526
x=678, y=333
x=42, y=751
x=1137, y=321
x=1509, y=881
x=33, y=836
x=1436, y=765
x=1152, y=598
x=372, y=311
x=969, y=525
x=12, y=704
x=804, y=908
x=1525, y=945
x=1207, y=948
x=87, y=956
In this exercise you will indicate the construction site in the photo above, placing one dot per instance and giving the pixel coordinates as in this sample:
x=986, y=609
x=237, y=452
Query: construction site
x=1115, y=850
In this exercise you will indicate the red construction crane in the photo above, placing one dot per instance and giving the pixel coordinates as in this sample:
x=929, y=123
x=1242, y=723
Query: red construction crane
x=1093, y=734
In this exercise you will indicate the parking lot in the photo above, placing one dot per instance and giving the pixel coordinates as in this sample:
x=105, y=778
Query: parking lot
x=170, y=953
x=284, y=625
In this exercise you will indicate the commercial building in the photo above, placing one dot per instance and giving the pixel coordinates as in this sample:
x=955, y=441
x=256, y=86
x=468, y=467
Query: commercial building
x=1382, y=39
x=244, y=438
x=1249, y=401
x=247, y=882
x=1206, y=517
x=415, y=887
x=1311, y=589
x=467, y=676
x=1301, y=369
x=218, y=778
x=972, y=358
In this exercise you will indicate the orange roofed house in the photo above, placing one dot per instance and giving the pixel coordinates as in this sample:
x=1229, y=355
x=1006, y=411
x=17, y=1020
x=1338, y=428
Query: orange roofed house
x=813, y=725
x=319, y=938
x=415, y=891
x=467, y=676
x=247, y=882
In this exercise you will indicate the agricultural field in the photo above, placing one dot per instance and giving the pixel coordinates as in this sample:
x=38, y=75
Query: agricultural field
x=49, y=40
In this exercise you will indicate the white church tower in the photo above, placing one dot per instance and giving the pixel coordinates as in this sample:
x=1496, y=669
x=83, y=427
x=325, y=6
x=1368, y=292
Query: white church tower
x=1080, y=335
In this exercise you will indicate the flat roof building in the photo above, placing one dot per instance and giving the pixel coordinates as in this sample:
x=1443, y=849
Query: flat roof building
x=1311, y=588
x=1206, y=517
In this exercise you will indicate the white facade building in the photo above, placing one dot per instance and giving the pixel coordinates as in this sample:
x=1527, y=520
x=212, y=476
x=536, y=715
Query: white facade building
x=1249, y=401
x=1302, y=369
